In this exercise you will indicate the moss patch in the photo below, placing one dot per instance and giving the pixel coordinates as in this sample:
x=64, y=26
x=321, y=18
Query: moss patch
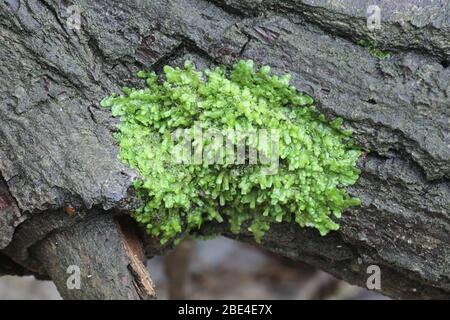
x=374, y=50
x=314, y=158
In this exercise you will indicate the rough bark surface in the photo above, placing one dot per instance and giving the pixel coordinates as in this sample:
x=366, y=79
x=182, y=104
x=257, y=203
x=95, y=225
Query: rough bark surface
x=56, y=148
x=109, y=263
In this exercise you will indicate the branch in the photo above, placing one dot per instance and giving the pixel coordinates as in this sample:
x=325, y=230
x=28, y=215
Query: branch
x=57, y=149
x=108, y=255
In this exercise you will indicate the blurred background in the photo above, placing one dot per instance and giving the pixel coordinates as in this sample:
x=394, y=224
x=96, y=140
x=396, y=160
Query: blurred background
x=218, y=269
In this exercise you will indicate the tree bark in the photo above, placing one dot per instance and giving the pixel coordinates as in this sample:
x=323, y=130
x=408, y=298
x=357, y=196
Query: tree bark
x=57, y=151
x=107, y=257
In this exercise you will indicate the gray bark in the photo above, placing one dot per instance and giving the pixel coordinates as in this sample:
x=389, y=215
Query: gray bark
x=108, y=261
x=56, y=148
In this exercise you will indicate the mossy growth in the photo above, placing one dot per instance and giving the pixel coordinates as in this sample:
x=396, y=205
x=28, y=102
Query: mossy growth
x=373, y=49
x=316, y=158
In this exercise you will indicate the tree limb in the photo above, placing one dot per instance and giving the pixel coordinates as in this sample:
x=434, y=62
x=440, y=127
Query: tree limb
x=109, y=257
x=57, y=150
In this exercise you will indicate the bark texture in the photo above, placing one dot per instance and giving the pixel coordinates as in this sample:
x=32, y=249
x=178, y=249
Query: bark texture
x=109, y=261
x=56, y=148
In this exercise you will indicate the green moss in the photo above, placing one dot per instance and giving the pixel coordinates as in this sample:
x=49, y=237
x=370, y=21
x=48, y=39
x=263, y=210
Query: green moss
x=315, y=158
x=373, y=49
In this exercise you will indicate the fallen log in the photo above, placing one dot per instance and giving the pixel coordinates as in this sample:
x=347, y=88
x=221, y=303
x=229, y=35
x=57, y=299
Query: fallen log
x=63, y=180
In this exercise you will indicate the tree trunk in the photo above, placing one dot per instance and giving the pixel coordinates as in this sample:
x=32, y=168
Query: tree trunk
x=59, y=160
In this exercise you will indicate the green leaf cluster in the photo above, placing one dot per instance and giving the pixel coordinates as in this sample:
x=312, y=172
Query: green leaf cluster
x=317, y=158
